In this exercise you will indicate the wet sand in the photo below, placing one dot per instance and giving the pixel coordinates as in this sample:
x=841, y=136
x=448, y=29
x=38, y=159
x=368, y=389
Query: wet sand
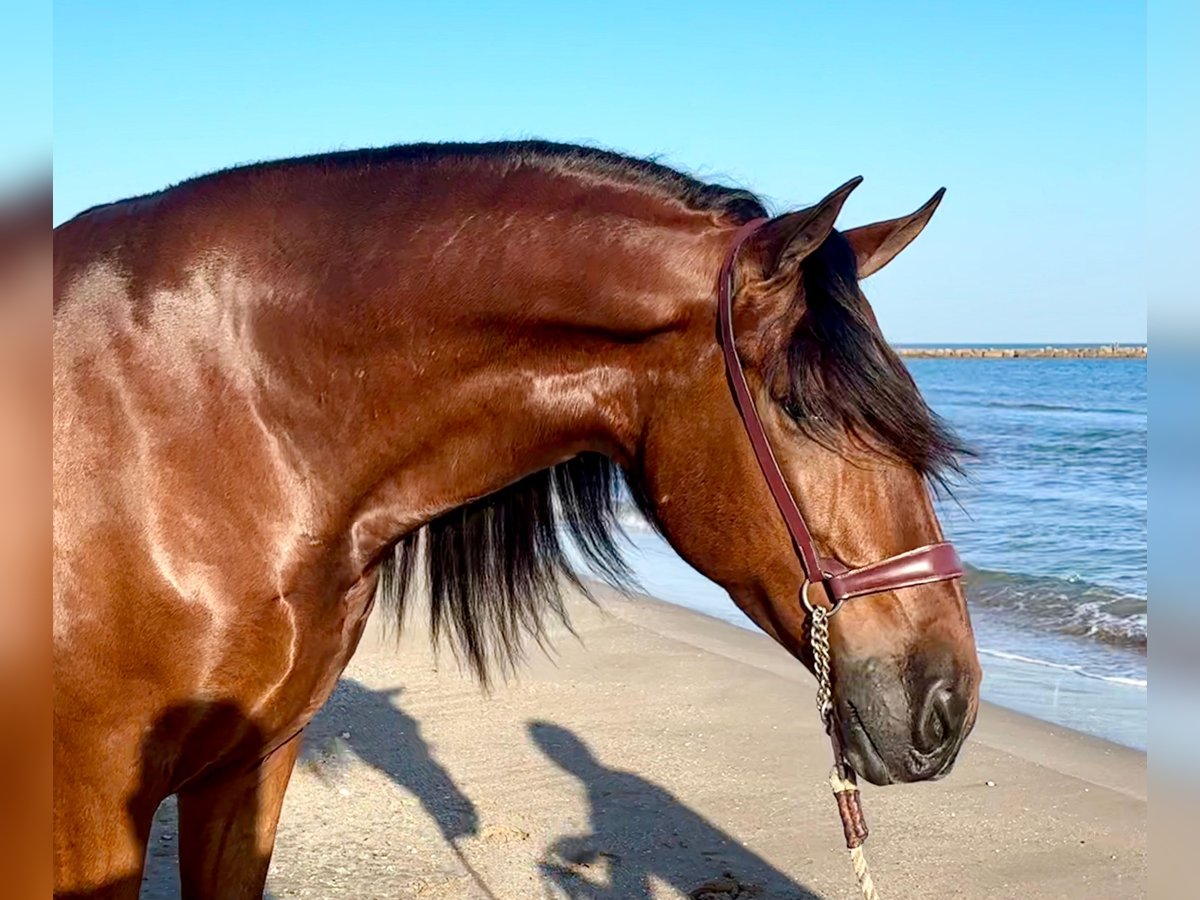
x=667, y=754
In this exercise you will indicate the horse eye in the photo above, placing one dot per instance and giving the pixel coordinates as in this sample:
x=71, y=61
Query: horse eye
x=796, y=413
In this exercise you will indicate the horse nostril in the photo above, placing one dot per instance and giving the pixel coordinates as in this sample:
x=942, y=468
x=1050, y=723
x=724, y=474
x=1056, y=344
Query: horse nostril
x=936, y=729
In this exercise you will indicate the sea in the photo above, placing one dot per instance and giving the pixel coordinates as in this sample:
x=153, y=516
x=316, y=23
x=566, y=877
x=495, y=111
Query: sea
x=1051, y=522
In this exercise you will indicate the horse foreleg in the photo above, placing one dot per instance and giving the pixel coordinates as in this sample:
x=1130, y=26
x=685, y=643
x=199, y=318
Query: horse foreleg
x=227, y=828
x=101, y=819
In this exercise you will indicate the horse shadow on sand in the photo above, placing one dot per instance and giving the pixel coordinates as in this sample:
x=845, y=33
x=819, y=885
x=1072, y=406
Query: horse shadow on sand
x=356, y=722
x=640, y=832
x=371, y=726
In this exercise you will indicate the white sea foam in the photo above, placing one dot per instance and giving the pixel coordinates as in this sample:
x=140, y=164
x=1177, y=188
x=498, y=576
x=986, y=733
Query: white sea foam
x=633, y=521
x=1065, y=667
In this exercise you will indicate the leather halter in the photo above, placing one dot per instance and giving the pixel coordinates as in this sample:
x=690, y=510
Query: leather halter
x=924, y=565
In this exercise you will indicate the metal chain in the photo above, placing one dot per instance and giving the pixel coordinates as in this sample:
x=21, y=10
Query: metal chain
x=820, y=649
x=842, y=777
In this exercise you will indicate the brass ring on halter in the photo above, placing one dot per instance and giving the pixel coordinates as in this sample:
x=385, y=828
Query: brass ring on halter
x=809, y=608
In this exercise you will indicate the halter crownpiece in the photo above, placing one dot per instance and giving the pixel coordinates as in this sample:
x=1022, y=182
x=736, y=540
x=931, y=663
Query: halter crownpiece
x=924, y=565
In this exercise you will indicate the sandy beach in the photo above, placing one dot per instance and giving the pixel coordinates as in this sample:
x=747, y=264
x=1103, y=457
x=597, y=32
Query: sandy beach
x=666, y=754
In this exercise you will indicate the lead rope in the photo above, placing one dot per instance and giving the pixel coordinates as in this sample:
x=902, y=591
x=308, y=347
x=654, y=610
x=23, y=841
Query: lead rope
x=841, y=777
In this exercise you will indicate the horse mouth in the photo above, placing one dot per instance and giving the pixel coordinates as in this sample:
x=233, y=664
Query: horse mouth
x=862, y=754
x=907, y=764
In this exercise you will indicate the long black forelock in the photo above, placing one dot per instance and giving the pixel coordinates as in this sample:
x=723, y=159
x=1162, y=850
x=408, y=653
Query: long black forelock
x=845, y=380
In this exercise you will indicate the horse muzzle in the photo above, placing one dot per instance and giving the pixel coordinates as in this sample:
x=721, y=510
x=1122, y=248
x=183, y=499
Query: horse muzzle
x=903, y=728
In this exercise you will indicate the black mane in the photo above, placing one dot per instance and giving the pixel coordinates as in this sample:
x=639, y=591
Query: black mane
x=495, y=566
x=844, y=379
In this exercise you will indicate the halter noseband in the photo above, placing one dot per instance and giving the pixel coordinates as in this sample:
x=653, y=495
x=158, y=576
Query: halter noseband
x=925, y=565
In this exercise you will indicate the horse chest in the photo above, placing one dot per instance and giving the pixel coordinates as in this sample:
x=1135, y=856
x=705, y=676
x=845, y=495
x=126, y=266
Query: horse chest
x=323, y=638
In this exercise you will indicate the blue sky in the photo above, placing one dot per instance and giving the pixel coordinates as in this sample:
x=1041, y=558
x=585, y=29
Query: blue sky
x=26, y=110
x=1031, y=114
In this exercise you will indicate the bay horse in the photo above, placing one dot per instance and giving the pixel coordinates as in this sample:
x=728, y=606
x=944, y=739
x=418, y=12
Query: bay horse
x=287, y=389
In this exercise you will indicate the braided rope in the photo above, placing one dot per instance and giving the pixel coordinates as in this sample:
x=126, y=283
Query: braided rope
x=863, y=874
x=866, y=884
x=841, y=779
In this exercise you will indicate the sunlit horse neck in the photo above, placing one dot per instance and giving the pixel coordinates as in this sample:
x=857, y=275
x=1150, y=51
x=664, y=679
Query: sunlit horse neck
x=280, y=385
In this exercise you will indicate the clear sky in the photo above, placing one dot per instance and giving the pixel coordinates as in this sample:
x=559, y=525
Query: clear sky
x=1032, y=114
x=26, y=107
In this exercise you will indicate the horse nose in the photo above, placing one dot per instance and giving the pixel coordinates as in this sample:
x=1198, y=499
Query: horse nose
x=939, y=730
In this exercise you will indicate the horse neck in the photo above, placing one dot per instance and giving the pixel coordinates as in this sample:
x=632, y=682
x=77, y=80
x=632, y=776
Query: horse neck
x=484, y=348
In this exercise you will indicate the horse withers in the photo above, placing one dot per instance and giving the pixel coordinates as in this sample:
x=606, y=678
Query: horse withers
x=282, y=388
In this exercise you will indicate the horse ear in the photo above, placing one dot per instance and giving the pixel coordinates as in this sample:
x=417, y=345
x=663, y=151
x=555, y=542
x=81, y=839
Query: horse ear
x=786, y=240
x=877, y=245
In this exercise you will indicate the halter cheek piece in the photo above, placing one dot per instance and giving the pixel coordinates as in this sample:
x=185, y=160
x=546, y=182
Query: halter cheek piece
x=924, y=565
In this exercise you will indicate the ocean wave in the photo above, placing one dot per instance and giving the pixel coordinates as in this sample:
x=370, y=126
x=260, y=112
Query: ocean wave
x=973, y=401
x=1068, y=606
x=1060, y=407
x=1073, y=668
